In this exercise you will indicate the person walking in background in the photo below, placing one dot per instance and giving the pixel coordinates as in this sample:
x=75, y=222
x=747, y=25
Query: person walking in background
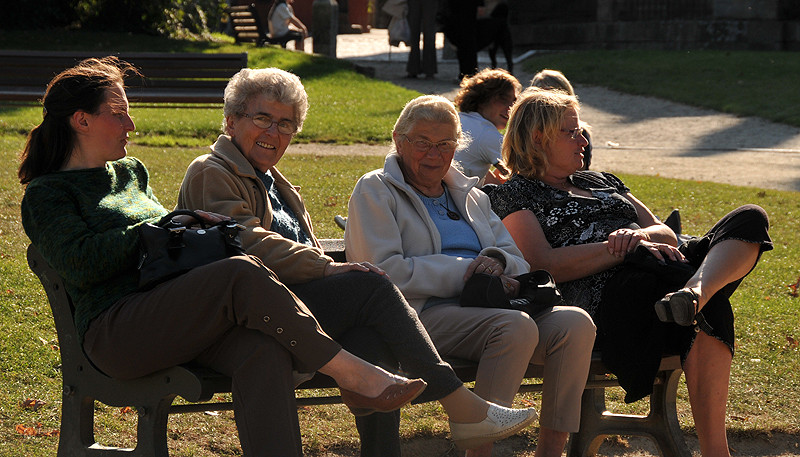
x=283, y=23
x=460, y=21
x=422, y=18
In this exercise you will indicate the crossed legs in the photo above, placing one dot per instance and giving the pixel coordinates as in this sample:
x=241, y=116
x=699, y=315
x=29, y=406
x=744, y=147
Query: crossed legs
x=708, y=364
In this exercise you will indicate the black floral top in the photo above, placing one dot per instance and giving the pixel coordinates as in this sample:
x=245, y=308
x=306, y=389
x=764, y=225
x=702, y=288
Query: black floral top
x=568, y=219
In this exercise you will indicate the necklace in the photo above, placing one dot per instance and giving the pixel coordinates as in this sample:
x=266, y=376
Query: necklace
x=565, y=186
x=450, y=213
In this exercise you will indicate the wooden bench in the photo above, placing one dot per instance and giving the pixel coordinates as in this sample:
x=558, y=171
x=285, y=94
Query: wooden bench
x=153, y=395
x=168, y=77
x=248, y=28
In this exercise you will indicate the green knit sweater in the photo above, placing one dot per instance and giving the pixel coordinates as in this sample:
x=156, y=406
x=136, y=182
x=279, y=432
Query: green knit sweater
x=84, y=222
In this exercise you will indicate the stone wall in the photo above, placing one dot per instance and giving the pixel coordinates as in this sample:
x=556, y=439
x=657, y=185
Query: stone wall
x=656, y=24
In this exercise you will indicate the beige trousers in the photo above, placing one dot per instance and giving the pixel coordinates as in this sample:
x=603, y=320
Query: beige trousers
x=503, y=343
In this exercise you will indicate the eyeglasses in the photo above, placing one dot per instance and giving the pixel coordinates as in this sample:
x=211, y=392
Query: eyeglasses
x=573, y=134
x=445, y=147
x=265, y=121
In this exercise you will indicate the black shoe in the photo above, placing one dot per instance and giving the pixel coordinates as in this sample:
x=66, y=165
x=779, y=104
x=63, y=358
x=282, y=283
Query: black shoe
x=679, y=307
x=673, y=221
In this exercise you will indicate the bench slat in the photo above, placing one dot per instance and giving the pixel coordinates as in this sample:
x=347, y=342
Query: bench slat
x=169, y=77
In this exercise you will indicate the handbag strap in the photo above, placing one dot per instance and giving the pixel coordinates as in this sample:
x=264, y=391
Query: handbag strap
x=181, y=212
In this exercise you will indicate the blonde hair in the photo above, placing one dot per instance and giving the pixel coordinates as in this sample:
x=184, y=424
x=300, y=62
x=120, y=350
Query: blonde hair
x=534, y=124
x=276, y=84
x=552, y=79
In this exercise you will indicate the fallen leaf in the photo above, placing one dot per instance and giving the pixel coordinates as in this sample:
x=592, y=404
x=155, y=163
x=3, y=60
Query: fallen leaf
x=30, y=403
x=794, y=287
x=792, y=342
x=35, y=430
x=125, y=410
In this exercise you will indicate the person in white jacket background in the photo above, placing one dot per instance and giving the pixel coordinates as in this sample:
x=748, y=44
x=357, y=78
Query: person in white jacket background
x=484, y=101
x=425, y=224
x=283, y=23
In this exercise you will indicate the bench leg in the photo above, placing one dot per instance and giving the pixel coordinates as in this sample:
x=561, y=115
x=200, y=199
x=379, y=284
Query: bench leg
x=76, y=437
x=590, y=436
x=666, y=429
x=661, y=424
x=151, y=433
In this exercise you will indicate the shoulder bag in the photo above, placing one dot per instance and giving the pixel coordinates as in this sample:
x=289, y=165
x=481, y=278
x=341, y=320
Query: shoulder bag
x=169, y=249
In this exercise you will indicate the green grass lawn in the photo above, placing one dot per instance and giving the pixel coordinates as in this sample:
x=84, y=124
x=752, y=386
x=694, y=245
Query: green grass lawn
x=749, y=83
x=335, y=93
x=766, y=370
x=765, y=382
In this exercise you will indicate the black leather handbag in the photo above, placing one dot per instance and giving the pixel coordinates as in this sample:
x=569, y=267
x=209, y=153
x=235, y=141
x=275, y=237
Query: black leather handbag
x=538, y=291
x=169, y=249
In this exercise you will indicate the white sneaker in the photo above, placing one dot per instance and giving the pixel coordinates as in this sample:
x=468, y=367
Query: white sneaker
x=500, y=422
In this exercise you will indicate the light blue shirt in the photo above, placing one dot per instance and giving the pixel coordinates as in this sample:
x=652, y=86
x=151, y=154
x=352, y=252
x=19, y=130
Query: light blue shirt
x=458, y=237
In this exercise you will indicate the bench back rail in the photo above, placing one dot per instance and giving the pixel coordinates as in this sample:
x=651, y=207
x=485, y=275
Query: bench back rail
x=168, y=77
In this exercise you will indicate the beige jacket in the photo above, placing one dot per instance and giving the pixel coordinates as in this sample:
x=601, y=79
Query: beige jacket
x=226, y=183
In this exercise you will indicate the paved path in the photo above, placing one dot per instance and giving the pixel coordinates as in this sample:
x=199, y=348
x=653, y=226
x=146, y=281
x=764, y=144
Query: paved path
x=631, y=134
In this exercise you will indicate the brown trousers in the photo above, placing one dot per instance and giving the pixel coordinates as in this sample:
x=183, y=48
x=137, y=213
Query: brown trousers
x=233, y=316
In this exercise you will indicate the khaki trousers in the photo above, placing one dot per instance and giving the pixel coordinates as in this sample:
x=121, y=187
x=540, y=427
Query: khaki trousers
x=503, y=343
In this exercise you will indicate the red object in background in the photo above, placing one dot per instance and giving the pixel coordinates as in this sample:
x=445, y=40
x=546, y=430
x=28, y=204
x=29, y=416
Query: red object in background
x=357, y=12
x=302, y=9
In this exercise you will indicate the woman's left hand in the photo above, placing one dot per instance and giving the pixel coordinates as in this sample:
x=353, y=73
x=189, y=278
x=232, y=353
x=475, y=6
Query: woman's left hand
x=485, y=265
x=212, y=217
x=624, y=240
x=664, y=251
x=208, y=218
x=336, y=268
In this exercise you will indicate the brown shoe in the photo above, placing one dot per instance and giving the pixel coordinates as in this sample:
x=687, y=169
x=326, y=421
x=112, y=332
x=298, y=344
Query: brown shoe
x=392, y=397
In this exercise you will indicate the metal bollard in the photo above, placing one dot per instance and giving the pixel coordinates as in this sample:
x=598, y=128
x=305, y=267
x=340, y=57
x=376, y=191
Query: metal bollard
x=325, y=26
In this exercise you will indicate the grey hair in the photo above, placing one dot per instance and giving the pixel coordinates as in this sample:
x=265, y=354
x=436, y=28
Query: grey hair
x=428, y=108
x=276, y=84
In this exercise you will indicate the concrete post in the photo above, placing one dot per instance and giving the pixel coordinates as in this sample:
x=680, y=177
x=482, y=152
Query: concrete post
x=325, y=26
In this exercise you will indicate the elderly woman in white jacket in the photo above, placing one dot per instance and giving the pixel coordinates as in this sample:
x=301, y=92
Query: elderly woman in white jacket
x=430, y=229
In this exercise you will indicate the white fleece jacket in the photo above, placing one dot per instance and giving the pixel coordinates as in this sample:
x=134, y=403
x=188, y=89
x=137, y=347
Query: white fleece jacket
x=389, y=226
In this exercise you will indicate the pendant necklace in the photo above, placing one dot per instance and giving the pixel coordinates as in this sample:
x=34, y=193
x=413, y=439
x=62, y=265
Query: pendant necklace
x=450, y=213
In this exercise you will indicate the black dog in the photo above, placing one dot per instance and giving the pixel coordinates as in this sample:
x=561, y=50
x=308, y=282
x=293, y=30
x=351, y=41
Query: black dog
x=493, y=32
